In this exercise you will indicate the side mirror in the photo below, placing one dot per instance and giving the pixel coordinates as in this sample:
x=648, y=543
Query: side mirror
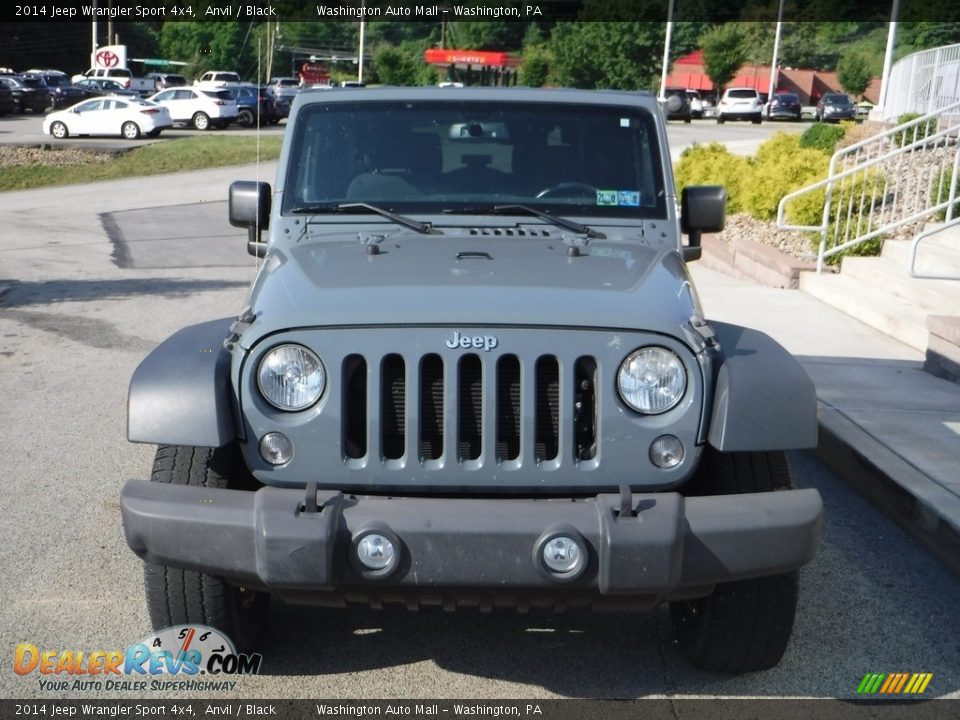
x=703, y=208
x=249, y=207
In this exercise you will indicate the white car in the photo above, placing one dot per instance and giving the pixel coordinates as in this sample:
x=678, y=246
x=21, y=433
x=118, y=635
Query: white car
x=128, y=117
x=740, y=103
x=198, y=107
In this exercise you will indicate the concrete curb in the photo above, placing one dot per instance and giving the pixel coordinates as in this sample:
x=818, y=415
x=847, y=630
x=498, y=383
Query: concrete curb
x=927, y=511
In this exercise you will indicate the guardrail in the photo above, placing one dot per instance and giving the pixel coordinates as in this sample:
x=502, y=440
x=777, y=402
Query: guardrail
x=912, y=268
x=923, y=82
x=904, y=175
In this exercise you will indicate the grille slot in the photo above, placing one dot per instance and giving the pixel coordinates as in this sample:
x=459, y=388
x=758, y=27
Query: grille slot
x=585, y=410
x=508, y=408
x=354, y=406
x=393, y=392
x=547, y=410
x=431, y=407
x=470, y=407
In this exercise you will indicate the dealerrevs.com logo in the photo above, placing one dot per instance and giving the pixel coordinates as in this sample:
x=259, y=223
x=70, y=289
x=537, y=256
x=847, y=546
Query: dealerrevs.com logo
x=173, y=659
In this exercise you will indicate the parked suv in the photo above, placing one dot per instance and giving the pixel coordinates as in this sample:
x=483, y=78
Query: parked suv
x=740, y=103
x=202, y=108
x=785, y=105
x=217, y=78
x=677, y=104
x=254, y=105
x=29, y=92
x=167, y=80
x=834, y=107
x=473, y=371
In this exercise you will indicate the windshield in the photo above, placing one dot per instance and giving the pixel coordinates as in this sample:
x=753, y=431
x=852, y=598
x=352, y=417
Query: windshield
x=837, y=99
x=439, y=157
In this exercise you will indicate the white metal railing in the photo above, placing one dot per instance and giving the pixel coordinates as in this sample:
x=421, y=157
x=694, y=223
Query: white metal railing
x=923, y=82
x=896, y=178
x=955, y=222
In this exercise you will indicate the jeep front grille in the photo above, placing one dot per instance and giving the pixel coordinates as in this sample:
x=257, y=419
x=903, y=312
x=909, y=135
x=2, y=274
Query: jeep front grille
x=471, y=406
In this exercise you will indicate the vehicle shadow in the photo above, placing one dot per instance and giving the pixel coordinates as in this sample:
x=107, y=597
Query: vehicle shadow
x=20, y=293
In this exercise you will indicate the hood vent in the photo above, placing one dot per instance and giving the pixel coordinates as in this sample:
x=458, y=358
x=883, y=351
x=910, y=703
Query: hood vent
x=509, y=232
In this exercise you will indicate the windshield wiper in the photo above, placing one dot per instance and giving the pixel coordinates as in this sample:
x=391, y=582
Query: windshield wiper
x=421, y=227
x=543, y=215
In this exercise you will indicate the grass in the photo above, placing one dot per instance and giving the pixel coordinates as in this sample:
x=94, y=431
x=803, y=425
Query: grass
x=184, y=154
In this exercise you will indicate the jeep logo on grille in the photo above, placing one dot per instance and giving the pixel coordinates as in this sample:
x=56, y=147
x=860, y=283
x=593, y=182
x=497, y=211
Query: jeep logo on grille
x=480, y=342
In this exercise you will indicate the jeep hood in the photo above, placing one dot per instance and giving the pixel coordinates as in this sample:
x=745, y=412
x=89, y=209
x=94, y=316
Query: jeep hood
x=460, y=280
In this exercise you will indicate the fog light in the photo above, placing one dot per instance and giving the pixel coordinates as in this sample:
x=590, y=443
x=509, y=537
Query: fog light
x=563, y=554
x=666, y=452
x=276, y=448
x=376, y=552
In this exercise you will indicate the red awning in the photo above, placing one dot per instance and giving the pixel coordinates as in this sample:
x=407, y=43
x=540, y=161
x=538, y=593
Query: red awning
x=484, y=58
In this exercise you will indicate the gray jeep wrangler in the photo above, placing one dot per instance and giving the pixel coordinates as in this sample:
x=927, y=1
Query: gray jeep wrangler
x=473, y=371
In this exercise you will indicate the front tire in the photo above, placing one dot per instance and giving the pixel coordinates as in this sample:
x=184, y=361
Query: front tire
x=59, y=130
x=201, y=121
x=184, y=597
x=720, y=119
x=744, y=626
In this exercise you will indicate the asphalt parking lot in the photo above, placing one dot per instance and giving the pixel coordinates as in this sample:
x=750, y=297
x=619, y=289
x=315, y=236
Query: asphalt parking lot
x=27, y=129
x=80, y=306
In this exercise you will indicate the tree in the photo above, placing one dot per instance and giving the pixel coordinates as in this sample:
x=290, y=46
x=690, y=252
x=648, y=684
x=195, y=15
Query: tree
x=607, y=55
x=854, y=72
x=724, y=52
x=535, y=69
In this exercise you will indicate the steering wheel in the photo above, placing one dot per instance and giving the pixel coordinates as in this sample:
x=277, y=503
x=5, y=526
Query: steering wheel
x=567, y=189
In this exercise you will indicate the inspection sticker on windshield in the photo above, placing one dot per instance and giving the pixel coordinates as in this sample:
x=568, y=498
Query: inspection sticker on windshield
x=623, y=198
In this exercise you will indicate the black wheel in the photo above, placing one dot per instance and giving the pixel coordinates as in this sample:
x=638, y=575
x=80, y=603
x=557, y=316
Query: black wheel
x=201, y=121
x=130, y=130
x=743, y=626
x=720, y=119
x=245, y=118
x=183, y=597
x=757, y=120
x=59, y=130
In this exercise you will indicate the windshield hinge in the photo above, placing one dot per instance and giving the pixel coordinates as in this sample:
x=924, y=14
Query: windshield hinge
x=239, y=326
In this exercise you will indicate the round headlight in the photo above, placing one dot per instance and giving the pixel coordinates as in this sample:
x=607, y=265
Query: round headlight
x=652, y=380
x=291, y=377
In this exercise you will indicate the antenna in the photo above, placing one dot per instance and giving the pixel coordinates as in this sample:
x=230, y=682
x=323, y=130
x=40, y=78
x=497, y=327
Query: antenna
x=256, y=258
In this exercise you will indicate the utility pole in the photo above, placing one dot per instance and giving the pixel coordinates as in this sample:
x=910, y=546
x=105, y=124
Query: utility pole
x=888, y=58
x=666, y=54
x=93, y=48
x=775, y=63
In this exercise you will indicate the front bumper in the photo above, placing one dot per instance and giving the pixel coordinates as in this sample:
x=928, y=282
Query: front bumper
x=296, y=542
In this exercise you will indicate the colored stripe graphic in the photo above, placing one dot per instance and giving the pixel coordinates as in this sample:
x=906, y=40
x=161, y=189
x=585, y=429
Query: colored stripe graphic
x=894, y=683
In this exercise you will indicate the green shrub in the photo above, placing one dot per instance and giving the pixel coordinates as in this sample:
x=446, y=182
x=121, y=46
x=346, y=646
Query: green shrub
x=855, y=197
x=713, y=164
x=940, y=193
x=822, y=137
x=781, y=166
x=917, y=132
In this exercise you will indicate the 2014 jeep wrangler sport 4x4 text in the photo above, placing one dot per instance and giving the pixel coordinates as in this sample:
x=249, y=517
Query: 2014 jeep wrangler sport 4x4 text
x=473, y=370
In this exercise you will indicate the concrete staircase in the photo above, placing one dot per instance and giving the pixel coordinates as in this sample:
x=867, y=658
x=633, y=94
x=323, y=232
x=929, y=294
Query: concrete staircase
x=921, y=313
